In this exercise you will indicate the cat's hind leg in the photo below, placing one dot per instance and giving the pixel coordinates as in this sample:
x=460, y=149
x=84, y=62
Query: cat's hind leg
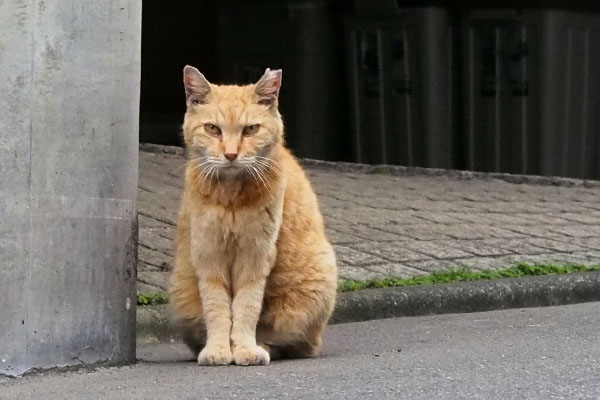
x=292, y=324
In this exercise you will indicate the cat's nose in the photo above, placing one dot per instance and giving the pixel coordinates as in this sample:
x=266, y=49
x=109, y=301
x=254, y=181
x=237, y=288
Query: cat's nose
x=231, y=156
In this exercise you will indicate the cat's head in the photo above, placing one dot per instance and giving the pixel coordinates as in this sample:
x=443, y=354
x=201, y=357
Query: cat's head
x=232, y=129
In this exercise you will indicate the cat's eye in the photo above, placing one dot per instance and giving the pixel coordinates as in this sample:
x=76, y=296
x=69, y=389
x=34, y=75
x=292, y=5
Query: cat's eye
x=212, y=129
x=250, y=130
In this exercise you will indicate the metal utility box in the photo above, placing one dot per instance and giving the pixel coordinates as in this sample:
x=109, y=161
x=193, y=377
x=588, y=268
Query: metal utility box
x=304, y=39
x=531, y=85
x=403, y=83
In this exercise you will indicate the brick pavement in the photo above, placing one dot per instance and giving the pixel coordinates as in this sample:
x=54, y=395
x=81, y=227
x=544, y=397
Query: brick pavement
x=393, y=225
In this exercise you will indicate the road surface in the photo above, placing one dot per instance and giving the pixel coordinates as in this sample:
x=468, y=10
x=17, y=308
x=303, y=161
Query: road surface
x=544, y=353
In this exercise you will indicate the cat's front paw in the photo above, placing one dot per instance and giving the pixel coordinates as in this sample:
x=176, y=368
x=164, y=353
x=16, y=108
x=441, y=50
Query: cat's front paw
x=215, y=355
x=250, y=355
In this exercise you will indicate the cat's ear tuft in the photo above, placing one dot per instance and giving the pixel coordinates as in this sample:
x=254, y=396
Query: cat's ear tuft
x=267, y=88
x=196, y=86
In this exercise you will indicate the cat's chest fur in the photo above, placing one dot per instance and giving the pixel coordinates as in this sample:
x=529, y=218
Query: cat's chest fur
x=225, y=233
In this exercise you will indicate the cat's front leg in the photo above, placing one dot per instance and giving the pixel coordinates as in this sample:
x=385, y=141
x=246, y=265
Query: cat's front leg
x=216, y=302
x=212, y=261
x=249, y=279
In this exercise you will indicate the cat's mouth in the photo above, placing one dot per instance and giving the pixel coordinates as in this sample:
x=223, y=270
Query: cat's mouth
x=232, y=169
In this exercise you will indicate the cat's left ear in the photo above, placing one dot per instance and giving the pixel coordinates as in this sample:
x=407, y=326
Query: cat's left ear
x=267, y=87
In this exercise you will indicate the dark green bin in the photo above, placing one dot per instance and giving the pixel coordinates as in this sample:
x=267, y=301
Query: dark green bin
x=305, y=39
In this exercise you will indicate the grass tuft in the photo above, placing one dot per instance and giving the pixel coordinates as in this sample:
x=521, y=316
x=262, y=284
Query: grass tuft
x=153, y=299
x=465, y=274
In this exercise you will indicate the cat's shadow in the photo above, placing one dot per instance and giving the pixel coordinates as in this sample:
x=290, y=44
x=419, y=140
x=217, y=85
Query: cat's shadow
x=178, y=353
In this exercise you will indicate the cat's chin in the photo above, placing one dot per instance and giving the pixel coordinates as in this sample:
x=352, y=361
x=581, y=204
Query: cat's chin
x=233, y=172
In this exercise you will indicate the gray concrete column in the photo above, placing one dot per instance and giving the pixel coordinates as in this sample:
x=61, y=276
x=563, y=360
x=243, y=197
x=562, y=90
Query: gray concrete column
x=69, y=99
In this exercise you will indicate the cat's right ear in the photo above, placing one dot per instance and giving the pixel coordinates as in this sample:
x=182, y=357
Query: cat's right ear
x=196, y=86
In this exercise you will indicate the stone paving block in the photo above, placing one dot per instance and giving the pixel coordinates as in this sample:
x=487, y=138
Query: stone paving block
x=556, y=245
x=336, y=237
x=476, y=232
x=592, y=243
x=477, y=263
x=327, y=202
x=584, y=231
x=592, y=206
x=563, y=206
x=503, y=207
x=391, y=251
x=155, y=260
x=518, y=246
x=382, y=218
x=475, y=217
x=367, y=233
x=339, y=216
x=145, y=288
x=348, y=256
x=479, y=196
x=421, y=232
x=432, y=266
x=427, y=205
x=147, y=221
x=511, y=219
x=158, y=213
x=436, y=250
x=445, y=195
x=579, y=195
x=438, y=217
x=547, y=258
x=549, y=219
x=355, y=273
x=535, y=231
x=153, y=278
x=591, y=218
x=394, y=270
x=475, y=247
x=511, y=196
x=585, y=258
x=159, y=182
x=160, y=238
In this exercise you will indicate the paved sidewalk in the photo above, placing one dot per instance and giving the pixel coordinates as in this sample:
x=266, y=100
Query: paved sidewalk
x=404, y=223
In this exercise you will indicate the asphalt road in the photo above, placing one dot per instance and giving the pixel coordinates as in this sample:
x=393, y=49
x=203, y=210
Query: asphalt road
x=544, y=353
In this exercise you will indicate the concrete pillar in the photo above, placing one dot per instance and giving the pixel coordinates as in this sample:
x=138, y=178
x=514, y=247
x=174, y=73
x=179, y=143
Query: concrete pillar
x=69, y=99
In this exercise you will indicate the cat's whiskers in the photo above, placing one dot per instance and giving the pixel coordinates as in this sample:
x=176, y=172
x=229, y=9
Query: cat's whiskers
x=247, y=167
x=189, y=162
x=260, y=175
x=200, y=175
x=268, y=162
x=264, y=164
x=201, y=165
x=205, y=167
x=210, y=176
x=207, y=173
x=254, y=172
x=185, y=164
x=268, y=159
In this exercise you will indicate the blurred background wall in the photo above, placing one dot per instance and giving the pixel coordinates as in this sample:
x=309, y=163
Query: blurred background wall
x=503, y=86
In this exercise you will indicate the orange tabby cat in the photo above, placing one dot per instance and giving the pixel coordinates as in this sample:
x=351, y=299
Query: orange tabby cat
x=255, y=277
